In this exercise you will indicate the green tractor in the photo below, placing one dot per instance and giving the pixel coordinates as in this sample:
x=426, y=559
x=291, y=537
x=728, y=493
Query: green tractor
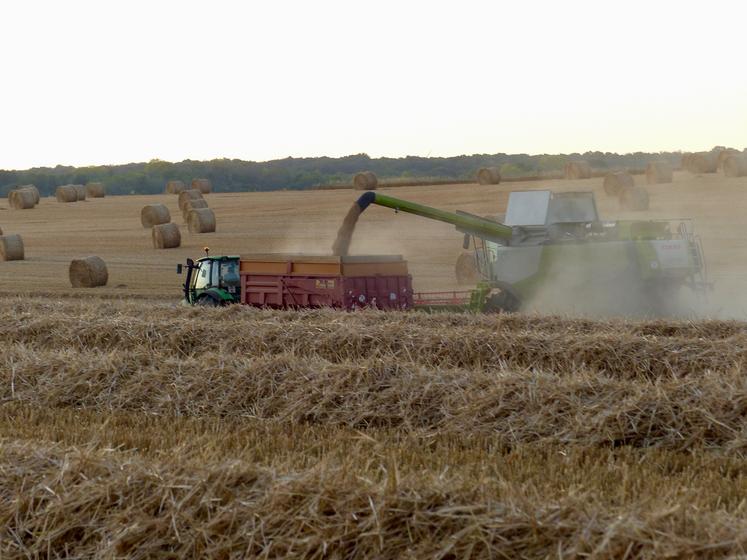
x=211, y=281
x=553, y=253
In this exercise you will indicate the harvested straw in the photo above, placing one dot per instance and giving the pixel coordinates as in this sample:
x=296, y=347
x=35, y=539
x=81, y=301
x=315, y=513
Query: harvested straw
x=365, y=181
x=577, y=170
x=80, y=192
x=735, y=165
x=702, y=162
x=615, y=182
x=201, y=220
x=466, y=269
x=193, y=204
x=186, y=196
x=166, y=236
x=66, y=193
x=489, y=176
x=174, y=187
x=634, y=199
x=202, y=185
x=11, y=247
x=154, y=214
x=658, y=172
x=21, y=199
x=88, y=272
x=95, y=190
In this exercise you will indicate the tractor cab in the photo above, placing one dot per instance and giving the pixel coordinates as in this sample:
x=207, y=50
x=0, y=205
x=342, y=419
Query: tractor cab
x=212, y=281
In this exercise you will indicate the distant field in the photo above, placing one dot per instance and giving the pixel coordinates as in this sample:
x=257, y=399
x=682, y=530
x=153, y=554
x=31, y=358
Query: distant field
x=307, y=221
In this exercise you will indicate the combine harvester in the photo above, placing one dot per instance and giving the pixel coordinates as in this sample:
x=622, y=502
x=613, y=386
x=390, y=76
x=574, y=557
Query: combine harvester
x=551, y=248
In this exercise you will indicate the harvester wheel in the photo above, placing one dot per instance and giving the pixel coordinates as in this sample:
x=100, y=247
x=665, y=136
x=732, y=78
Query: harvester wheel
x=502, y=302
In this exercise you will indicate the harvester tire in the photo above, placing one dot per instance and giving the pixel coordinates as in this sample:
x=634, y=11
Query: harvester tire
x=502, y=302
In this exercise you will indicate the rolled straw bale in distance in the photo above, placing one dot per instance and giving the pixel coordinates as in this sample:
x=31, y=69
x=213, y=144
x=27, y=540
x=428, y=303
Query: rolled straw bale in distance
x=466, y=269
x=11, y=247
x=166, y=236
x=365, y=181
x=88, y=272
x=80, y=191
x=186, y=196
x=193, y=204
x=66, y=193
x=489, y=176
x=95, y=190
x=615, y=182
x=658, y=172
x=201, y=220
x=723, y=155
x=34, y=190
x=634, y=199
x=702, y=162
x=735, y=166
x=174, y=187
x=154, y=214
x=21, y=199
x=202, y=185
x=577, y=170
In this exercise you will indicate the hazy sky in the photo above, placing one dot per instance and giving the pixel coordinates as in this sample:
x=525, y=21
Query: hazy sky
x=112, y=82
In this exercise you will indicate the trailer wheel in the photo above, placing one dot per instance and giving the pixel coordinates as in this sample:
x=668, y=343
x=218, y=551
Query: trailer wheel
x=208, y=301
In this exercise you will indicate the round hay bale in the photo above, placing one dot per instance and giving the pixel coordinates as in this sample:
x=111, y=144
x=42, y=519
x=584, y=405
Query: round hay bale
x=365, y=181
x=166, y=236
x=577, y=170
x=95, y=190
x=202, y=185
x=702, y=162
x=735, y=165
x=466, y=269
x=634, y=199
x=31, y=188
x=658, y=172
x=723, y=156
x=615, y=182
x=186, y=196
x=66, y=193
x=174, y=187
x=489, y=176
x=193, y=204
x=22, y=199
x=201, y=220
x=154, y=214
x=80, y=192
x=88, y=272
x=11, y=247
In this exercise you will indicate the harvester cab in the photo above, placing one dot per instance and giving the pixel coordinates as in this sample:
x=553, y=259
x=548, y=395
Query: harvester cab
x=211, y=281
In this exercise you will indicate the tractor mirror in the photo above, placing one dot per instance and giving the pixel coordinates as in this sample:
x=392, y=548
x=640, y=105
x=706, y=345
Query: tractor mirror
x=190, y=263
x=179, y=268
x=466, y=241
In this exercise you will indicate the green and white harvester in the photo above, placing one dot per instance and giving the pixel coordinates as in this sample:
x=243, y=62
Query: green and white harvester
x=552, y=252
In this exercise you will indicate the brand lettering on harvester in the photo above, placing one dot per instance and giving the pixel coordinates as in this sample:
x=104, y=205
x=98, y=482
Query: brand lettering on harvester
x=325, y=284
x=671, y=246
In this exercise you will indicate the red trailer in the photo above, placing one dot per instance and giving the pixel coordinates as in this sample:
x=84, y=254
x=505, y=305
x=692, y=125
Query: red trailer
x=352, y=282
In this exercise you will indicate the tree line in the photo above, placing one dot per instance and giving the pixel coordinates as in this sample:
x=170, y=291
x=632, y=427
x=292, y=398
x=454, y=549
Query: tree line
x=234, y=175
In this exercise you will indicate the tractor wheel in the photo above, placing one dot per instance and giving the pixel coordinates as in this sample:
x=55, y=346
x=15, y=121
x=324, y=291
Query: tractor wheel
x=207, y=301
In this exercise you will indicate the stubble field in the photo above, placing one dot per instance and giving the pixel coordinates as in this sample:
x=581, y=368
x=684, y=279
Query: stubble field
x=132, y=426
